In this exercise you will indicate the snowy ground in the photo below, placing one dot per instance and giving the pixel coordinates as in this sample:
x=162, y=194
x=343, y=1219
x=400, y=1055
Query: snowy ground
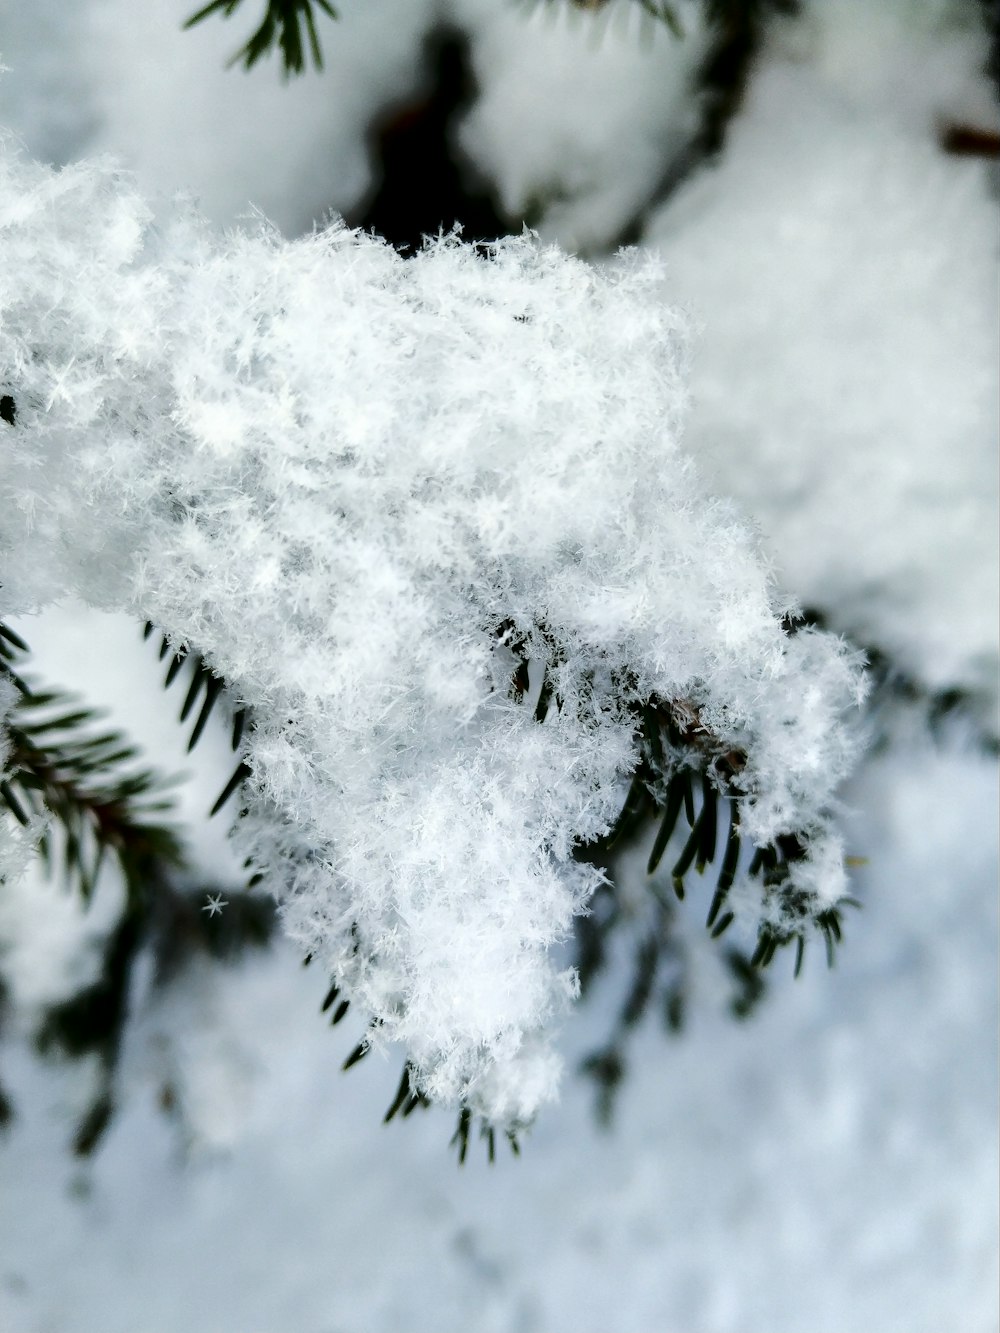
x=831, y=1165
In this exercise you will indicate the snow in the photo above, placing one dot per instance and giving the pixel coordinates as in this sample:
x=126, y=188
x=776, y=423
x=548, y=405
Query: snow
x=845, y=377
x=110, y=76
x=345, y=478
x=830, y=1164
x=579, y=113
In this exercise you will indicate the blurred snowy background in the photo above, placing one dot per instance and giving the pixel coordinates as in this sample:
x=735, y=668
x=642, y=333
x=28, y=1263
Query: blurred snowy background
x=829, y=1165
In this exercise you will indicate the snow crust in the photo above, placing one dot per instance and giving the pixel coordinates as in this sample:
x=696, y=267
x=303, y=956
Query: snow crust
x=354, y=482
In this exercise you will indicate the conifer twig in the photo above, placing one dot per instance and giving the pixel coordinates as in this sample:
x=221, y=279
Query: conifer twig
x=281, y=25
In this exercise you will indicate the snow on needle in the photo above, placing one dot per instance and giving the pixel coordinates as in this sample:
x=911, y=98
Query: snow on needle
x=214, y=903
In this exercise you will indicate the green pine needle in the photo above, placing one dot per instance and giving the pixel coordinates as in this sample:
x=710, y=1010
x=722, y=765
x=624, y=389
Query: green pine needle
x=281, y=26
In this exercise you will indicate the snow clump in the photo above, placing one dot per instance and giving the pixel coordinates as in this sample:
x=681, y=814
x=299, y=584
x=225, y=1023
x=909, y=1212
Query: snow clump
x=361, y=486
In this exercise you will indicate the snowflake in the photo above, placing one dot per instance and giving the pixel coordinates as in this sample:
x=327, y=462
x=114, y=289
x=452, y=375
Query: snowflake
x=214, y=903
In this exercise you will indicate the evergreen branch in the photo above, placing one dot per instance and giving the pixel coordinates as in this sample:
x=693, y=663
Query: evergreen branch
x=11, y=645
x=404, y=1095
x=6, y=1105
x=281, y=25
x=58, y=766
x=682, y=768
x=683, y=775
x=487, y=1132
x=210, y=688
x=172, y=925
x=607, y=1069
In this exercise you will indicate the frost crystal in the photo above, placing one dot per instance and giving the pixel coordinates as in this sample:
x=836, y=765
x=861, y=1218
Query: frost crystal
x=356, y=483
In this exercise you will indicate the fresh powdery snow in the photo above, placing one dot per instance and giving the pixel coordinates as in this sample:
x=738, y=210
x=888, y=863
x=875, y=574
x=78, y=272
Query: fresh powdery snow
x=353, y=482
x=361, y=486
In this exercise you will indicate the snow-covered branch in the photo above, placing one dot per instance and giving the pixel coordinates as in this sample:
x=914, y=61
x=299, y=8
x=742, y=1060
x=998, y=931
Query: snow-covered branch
x=352, y=481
